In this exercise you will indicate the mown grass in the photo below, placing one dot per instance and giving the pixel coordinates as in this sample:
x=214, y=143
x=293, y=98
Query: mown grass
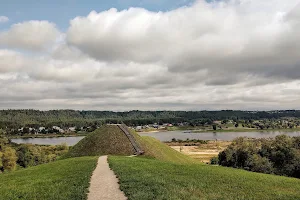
x=155, y=149
x=61, y=180
x=142, y=179
x=107, y=140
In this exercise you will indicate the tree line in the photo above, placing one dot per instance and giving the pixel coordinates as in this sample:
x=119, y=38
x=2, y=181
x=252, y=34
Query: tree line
x=280, y=156
x=34, y=118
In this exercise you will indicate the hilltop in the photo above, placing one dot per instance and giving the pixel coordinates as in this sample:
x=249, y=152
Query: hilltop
x=107, y=140
x=111, y=140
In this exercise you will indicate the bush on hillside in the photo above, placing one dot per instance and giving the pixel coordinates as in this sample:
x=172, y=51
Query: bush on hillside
x=280, y=155
x=26, y=155
x=32, y=155
x=214, y=161
x=9, y=159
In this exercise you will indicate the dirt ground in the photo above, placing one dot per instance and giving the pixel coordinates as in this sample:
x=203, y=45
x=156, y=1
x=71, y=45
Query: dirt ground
x=202, y=152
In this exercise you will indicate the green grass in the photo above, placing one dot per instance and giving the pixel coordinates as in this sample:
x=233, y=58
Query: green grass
x=142, y=179
x=107, y=140
x=61, y=180
x=156, y=149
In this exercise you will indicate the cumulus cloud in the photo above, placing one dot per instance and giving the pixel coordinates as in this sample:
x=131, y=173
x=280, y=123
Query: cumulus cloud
x=242, y=36
x=231, y=54
x=30, y=35
x=3, y=19
x=11, y=61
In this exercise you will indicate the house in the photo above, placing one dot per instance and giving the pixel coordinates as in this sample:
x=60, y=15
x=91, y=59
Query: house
x=58, y=129
x=155, y=126
x=72, y=129
x=41, y=128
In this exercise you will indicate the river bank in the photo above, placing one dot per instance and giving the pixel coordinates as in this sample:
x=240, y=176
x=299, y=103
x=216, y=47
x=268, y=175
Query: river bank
x=46, y=136
x=193, y=130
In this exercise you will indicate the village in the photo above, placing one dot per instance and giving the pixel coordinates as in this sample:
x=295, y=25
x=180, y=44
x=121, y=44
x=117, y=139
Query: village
x=41, y=130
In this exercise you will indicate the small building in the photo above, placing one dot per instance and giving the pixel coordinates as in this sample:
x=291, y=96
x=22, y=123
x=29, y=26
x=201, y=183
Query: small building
x=72, y=129
x=41, y=128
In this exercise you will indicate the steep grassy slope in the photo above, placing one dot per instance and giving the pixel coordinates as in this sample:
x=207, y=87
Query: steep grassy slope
x=107, y=140
x=61, y=180
x=154, y=148
x=143, y=179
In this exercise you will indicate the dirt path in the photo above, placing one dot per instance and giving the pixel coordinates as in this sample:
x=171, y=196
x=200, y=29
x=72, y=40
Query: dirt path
x=104, y=184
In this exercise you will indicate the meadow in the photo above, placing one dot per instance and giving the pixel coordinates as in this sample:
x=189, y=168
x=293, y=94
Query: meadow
x=144, y=178
x=60, y=180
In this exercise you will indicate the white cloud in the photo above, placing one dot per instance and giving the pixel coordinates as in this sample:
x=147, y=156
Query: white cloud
x=11, y=61
x=246, y=36
x=222, y=55
x=3, y=19
x=30, y=35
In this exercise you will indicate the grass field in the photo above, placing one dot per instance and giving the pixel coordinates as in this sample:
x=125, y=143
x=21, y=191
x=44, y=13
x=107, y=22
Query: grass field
x=154, y=148
x=143, y=179
x=61, y=180
x=107, y=140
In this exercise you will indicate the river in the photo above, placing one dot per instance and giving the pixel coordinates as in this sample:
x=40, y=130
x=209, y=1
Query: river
x=70, y=141
x=162, y=136
x=228, y=136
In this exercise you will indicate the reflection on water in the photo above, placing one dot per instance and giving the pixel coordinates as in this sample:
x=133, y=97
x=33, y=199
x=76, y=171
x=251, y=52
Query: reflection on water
x=167, y=136
x=70, y=141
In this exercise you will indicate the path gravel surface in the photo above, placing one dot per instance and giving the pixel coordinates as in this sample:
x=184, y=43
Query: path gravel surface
x=104, y=183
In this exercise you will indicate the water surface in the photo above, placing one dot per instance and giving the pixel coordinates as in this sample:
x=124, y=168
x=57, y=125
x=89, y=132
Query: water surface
x=70, y=141
x=168, y=135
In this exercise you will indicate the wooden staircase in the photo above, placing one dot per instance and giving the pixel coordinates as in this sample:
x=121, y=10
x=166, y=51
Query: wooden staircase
x=136, y=146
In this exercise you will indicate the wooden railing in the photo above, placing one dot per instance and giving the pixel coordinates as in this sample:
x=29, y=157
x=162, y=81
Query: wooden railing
x=137, y=148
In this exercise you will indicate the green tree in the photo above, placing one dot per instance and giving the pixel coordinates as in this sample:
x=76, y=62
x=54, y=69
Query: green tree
x=260, y=164
x=9, y=159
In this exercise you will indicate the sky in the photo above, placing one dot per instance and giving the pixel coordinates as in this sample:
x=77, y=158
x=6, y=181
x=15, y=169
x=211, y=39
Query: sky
x=150, y=55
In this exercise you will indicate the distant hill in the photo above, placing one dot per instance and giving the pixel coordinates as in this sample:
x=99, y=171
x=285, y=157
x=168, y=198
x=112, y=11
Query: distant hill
x=17, y=118
x=107, y=140
x=110, y=140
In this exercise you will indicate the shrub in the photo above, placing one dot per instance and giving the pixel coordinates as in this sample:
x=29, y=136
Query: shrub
x=9, y=159
x=260, y=164
x=214, y=161
x=280, y=155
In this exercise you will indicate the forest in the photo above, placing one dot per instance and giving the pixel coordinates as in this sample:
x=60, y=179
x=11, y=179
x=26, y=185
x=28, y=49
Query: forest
x=34, y=118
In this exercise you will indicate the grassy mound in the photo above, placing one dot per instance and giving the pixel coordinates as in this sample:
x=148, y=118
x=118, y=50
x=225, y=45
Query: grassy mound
x=142, y=179
x=107, y=140
x=60, y=180
x=156, y=149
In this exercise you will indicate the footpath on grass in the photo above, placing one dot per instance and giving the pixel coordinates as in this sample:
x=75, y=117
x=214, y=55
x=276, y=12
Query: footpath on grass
x=104, y=183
